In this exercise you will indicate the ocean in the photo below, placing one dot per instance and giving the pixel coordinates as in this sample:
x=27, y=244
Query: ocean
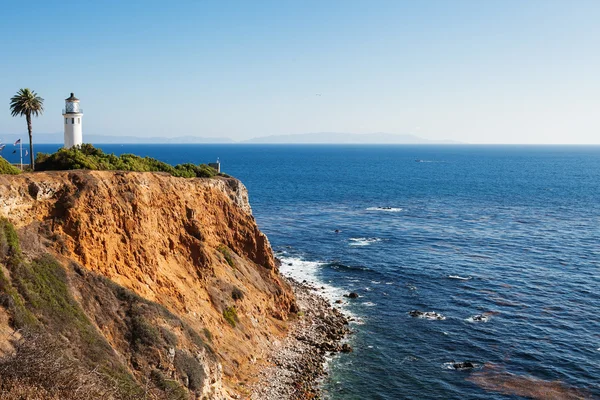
x=509, y=233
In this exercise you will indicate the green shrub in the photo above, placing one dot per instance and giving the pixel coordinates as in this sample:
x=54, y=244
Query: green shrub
x=237, y=294
x=230, y=315
x=227, y=254
x=9, y=238
x=170, y=337
x=8, y=168
x=193, y=336
x=171, y=387
x=88, y=157
x=187, y=365
x=142, y=332
x=207, y=334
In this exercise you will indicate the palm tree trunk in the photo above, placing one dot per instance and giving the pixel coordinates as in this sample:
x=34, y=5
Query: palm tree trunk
x=30, y=130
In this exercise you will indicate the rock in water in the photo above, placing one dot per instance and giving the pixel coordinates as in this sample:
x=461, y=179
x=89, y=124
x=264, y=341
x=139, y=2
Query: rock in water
x=463, y=365
x=431, y=315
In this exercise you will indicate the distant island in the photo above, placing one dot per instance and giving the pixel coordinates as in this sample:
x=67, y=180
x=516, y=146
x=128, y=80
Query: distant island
x=302, y=138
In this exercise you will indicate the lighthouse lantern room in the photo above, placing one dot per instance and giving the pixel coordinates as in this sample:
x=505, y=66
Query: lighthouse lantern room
x=73, y=116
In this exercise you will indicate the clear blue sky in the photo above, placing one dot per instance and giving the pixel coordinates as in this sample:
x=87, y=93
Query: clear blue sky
x=476, y=71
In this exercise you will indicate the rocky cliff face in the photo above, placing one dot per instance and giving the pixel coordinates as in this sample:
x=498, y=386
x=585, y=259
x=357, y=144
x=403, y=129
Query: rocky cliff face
x=180, y=258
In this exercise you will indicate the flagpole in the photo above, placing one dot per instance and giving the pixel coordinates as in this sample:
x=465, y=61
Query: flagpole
x=21, y=153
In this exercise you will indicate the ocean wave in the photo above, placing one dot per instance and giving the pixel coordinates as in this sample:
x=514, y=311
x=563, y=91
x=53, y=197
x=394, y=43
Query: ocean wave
x=461, y=278
x=302, y=270
x=368, y=304
x=363, y=241
x=387, y=209
x=340, y=266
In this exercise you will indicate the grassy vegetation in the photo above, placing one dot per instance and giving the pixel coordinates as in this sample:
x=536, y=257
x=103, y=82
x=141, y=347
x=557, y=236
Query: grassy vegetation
x=9, y=296
x=38, y=369
x=227, y=254
x=169, y=337
x=8, y=168
x=89, y=157
x=230, y=315
x=142, y=332
x=171, y=387
x=38, y=297
x=187, y=365
x=207, y=334
x=41, y=306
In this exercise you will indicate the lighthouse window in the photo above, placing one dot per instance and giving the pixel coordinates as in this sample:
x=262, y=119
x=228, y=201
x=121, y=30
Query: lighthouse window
x=66, y=121
x=72, y=120
x=78, y=120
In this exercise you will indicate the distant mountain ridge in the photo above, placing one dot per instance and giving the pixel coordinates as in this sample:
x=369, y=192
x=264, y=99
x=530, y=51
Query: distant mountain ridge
x=346, y=138
x=302, y=138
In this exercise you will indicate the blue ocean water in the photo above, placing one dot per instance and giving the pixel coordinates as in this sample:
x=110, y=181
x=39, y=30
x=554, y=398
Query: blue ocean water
x=520, y=224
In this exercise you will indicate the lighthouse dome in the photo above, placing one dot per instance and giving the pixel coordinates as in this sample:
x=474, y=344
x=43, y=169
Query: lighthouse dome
x=72, y=98
x=72, y=105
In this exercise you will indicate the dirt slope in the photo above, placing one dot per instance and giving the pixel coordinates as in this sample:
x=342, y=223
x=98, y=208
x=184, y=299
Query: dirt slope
x=191, y=246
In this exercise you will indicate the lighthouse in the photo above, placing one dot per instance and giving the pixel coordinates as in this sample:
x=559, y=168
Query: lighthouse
x=73, y=116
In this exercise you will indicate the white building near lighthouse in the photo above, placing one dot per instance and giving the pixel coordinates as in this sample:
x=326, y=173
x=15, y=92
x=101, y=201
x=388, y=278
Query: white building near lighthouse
x=73, y=116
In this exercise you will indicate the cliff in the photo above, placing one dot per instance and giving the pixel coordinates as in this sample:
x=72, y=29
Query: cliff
x=160, y=286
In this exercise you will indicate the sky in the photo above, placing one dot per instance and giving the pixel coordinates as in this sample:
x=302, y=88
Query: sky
x=511, y=71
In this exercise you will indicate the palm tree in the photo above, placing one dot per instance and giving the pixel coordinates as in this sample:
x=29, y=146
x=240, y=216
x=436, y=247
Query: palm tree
x=27, y=103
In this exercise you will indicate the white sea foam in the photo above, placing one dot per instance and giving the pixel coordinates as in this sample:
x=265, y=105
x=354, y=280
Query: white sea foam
x=478, y=318
x=369, y=304
x=461, y=278
x=363, y=241
x=302, y=270
x=429, y=315
x=387, y=209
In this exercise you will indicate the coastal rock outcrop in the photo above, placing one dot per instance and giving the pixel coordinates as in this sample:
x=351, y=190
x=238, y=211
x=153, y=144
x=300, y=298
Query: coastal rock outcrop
x=172, y=274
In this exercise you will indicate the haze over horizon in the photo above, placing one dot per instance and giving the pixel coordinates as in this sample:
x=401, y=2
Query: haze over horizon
x=474, y=72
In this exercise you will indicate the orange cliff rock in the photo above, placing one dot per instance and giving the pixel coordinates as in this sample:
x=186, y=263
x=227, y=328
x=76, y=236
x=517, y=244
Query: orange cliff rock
x=187, y=244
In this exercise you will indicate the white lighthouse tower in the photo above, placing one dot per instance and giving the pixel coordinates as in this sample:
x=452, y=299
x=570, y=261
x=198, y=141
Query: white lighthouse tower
x=73, y=117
